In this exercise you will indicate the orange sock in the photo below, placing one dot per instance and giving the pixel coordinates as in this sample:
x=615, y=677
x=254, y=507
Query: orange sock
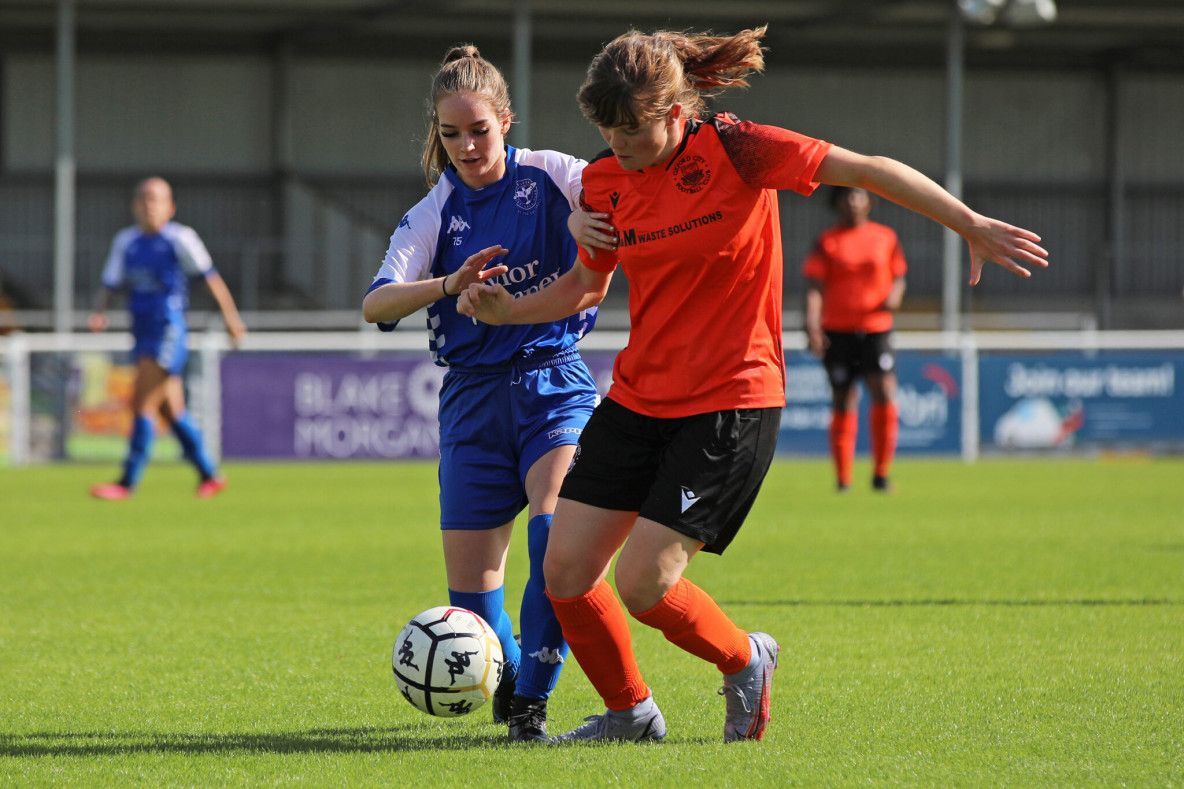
x=690, y=619
x=597, y=631
x=885, y=426
x=844, y=425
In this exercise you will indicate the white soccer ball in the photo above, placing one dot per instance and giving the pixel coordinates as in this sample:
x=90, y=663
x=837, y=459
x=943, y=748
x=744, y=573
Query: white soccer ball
x=447, y=661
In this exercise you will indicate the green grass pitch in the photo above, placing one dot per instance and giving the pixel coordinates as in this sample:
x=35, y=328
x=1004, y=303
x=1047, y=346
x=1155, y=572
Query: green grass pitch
x=1011, y=622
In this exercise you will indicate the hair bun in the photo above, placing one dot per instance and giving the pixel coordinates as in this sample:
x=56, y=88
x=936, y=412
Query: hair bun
x=462, y=51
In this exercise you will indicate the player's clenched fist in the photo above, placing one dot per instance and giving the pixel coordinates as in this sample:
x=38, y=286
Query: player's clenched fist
x=487, y=303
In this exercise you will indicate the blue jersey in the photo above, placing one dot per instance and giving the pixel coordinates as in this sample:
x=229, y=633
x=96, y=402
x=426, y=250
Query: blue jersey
x=526, y=212
x=155, y=269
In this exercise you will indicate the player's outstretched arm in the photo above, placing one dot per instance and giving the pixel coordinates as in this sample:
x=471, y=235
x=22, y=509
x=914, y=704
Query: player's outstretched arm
x=396, y=300
x=578, y=289
x=989, y=239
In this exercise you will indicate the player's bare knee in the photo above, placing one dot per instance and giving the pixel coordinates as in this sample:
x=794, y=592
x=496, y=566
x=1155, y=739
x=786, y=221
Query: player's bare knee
x=640, y=591
x=562, y=575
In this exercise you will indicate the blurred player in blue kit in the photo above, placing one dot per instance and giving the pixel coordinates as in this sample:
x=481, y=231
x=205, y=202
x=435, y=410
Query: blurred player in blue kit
x=153, y=261
x=515, y=398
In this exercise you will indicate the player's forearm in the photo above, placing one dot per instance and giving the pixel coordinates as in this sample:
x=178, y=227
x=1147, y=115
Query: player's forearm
x=899, y=183
x=225, y=301
x=895, y=295
x=577, y=290
x=396, y=300
x=813, y=309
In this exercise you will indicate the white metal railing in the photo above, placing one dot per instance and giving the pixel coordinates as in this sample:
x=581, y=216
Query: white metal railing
x=15, y=350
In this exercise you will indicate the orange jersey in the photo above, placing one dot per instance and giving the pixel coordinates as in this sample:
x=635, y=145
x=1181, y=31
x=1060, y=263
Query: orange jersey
x=856, y=267
x=700, y=242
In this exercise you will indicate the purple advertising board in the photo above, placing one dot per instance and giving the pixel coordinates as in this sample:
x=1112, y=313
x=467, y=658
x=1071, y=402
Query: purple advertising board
x=330, y=406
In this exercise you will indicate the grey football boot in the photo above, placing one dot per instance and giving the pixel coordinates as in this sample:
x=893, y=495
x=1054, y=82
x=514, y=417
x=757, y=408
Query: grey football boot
x=643, y=722
x=747, y=692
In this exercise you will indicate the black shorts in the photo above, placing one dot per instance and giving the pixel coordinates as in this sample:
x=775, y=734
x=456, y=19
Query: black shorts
x=850, y=355
x=697, y=475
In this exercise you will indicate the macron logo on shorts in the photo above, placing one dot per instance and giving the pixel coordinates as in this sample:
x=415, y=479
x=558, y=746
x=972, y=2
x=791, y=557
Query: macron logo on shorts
x=689, y=497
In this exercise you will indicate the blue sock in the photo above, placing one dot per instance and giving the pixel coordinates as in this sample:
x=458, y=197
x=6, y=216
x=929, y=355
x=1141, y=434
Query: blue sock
x=192, y=446
x=491, y=606
x=139, y=448
x=543, y=647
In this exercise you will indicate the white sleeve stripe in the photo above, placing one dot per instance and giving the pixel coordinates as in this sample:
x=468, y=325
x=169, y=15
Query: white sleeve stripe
x=413, y=244
x=113, y=269
x=191, y=252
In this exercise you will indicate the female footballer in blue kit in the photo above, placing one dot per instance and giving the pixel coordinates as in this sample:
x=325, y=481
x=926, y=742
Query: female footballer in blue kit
x=515, y=398
x=153, y=260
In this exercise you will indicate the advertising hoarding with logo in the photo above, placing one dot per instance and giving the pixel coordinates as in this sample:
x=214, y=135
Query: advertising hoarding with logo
x=1039, y=401
x=331, y=406
x=319, y=406
x=929, y=399
x=334, y=406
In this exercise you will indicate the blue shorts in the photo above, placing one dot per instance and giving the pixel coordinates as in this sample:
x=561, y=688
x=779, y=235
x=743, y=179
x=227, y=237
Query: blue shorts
x=164, y=343
x=495, y=423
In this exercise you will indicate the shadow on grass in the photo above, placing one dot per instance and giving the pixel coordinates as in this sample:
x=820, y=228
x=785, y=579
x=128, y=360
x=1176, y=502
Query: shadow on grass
x=355, y=740
x=352, y=740
x=1034, y=602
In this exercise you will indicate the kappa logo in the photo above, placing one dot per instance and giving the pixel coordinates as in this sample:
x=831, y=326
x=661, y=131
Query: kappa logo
x=691, y=174
x=689, y=497
x=405, y=222
x=614, y=197
x=547, y=655
x=526, y=195
x=457, y=225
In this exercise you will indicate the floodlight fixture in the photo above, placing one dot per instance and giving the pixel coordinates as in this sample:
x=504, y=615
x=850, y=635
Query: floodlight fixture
x=981, y=12
x=1029, y=13
x=1016, y=13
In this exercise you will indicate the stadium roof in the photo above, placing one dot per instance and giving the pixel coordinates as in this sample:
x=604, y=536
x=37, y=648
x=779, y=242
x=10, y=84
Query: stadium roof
x=1137, y=32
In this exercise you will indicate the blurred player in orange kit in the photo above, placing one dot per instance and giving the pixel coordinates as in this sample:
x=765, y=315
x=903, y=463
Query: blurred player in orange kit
x=854, y=283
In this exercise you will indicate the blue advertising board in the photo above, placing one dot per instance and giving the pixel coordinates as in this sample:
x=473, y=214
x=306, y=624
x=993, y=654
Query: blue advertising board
x=1073, y=398
x=929, y=398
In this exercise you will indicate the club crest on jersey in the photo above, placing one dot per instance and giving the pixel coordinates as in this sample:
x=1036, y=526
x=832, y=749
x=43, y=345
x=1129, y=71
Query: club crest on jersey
x=526, y=195
x=691, y=174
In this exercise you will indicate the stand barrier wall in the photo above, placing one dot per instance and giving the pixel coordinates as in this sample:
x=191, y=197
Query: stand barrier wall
x=368, y=395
